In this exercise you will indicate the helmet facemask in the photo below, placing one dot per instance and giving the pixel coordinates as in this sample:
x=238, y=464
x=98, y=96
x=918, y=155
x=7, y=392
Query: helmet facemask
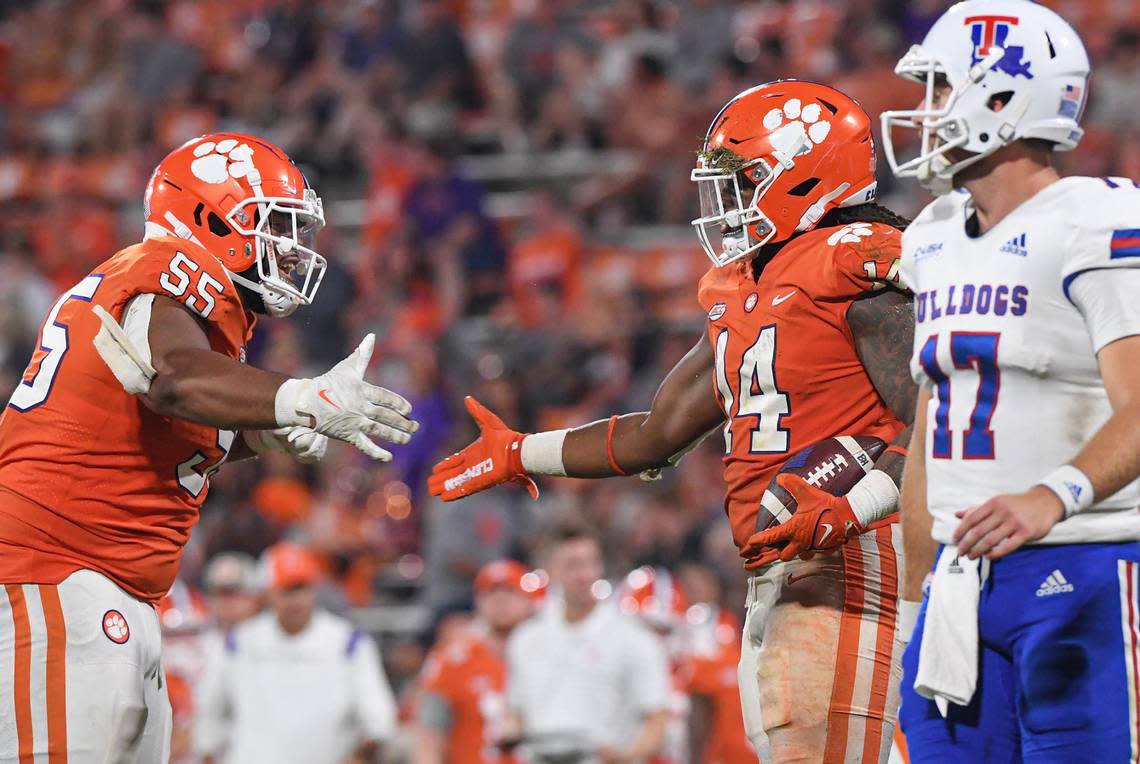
x=732, y=226
x=289, y=269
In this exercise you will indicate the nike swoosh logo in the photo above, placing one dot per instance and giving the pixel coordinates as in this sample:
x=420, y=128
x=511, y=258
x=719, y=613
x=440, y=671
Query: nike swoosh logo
x=792, y=578
x=827, y=529
x=324, y=394
x=780, y=298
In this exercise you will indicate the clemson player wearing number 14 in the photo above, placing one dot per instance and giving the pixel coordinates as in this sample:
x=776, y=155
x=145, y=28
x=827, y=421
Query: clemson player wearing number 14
x=133, y=399
x=806, y=340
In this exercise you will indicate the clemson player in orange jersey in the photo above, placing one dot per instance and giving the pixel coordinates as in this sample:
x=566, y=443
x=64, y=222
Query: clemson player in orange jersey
x=807, y=339
x=462, y=705
x=133, y=399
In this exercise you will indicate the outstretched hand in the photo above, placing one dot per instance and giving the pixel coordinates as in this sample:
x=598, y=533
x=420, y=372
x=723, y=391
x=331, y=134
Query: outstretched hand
x=494, y=458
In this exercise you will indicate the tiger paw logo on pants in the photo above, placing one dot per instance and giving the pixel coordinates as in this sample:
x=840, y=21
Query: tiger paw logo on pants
x=115, y=627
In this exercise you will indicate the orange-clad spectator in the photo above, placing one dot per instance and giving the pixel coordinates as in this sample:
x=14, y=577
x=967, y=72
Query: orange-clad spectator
x=393, y=175
x=544, y=267
x=710, y=680
x=462, y=698
x=713, y=652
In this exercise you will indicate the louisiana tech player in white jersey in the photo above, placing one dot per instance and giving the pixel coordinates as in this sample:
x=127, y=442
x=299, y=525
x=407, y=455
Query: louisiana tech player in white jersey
x=1027, y=345
x=1008, y=325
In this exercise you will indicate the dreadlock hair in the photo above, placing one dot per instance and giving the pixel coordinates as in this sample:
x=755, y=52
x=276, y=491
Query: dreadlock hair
x=863, y=213
x=839, y=216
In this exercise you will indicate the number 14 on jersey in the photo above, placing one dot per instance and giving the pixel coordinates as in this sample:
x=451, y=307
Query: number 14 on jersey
x=756, y=393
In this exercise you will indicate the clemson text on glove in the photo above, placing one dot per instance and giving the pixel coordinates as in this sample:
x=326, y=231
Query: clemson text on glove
x=473, y=471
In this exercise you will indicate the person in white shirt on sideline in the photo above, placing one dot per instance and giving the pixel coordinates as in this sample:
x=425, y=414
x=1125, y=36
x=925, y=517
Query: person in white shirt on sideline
x=294, y=685
x=585, y=683
x=230, y=590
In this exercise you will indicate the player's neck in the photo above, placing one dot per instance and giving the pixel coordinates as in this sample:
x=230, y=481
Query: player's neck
x=1005, y=185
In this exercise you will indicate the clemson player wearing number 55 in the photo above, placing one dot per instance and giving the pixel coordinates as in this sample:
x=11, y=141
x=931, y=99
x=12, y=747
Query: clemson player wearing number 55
x=136, y=395
x=807, y=340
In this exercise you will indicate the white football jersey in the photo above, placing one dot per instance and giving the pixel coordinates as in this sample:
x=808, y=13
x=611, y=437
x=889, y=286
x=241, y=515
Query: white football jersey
x=1009, y=357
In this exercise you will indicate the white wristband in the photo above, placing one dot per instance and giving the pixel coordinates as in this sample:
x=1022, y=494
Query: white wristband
x=287, y=400
x=907, y=619
x=1072, y=487
x=542, y=453
x=874, y=497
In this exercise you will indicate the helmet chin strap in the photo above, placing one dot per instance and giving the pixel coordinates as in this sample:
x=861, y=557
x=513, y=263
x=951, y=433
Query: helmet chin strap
x=277, y=303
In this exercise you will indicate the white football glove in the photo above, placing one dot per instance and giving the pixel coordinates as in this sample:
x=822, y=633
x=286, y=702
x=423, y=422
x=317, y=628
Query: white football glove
x=302, y=443
x=341, y=405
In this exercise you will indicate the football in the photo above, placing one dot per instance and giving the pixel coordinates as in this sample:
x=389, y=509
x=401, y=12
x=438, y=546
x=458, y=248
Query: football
x=834, y=465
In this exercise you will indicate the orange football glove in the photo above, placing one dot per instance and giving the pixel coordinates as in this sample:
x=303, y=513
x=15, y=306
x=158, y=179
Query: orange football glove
x=496, y=457
x=822, y=523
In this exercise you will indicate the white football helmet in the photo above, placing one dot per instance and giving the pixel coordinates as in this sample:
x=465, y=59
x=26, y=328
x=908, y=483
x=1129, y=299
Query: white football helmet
x=1015, y=70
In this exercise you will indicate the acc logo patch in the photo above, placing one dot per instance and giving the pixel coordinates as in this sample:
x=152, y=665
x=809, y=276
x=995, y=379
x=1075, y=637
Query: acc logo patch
x=717, y=310
x=115, y=627
x=750, y=302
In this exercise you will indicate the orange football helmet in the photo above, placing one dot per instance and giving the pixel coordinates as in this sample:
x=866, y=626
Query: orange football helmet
x=775, y=160
x=244, y=201
x=653, y=595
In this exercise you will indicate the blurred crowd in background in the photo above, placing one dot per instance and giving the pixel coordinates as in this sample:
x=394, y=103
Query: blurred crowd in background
x=506, y=183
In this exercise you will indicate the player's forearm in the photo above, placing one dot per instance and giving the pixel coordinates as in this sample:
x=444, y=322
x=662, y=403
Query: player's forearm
x=683, y=411
x=919, y=548
x=587, y=450
x=209, y=388
x=893, y=461
x=1111, y=460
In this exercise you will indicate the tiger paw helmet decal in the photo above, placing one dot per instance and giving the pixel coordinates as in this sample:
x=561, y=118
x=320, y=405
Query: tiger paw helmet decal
x=217, y=162
x=795, y=121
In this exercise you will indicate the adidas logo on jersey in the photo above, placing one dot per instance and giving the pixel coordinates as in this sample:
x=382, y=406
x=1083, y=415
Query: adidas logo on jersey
x=1055, y=583
x=1016, y=246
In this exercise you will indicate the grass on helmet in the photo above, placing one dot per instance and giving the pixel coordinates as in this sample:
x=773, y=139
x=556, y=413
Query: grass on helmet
x=722, y=158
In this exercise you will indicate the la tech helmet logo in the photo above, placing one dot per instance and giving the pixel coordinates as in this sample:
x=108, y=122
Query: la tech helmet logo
x=991, y=31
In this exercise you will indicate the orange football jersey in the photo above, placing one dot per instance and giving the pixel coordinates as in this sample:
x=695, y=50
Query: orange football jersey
x=89, y=476
x=472, y=678
x=787, y=374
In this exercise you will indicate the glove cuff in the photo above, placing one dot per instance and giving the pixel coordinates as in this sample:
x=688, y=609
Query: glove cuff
x=514, y=455
x=287, y=403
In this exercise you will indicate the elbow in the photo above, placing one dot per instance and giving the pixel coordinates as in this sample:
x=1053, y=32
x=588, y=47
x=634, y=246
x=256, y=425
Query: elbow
x=168, y=395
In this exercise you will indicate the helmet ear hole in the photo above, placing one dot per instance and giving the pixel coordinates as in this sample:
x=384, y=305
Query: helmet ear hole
x=804, y=188
x=217, y=226
x=998, y=101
